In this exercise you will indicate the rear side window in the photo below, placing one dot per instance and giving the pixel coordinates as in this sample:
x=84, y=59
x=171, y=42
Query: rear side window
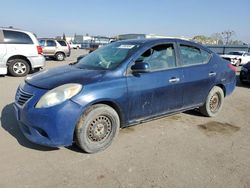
x=62, y=43
x=191, y=55
x=51, y=43
x=16, y=37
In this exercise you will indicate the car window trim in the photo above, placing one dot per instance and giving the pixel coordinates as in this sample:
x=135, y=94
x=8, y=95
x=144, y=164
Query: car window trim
x=128, y=70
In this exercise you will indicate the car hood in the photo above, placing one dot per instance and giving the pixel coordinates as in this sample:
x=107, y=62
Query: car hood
x=52, y=78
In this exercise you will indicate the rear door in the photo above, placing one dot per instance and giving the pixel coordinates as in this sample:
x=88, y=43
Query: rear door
x=158, y=91
x=199, y=73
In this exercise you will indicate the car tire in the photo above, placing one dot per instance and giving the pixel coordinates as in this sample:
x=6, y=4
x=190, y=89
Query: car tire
x=18, y=67
x=97, y=128
x=60, y=56
x=214, y=102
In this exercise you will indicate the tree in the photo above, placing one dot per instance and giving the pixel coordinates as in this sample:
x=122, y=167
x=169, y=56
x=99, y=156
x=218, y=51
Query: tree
x=64, y=37
x=218, y=38
x=227, y=35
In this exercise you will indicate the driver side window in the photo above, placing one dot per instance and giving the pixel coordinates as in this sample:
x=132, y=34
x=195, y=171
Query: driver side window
x=159, y=57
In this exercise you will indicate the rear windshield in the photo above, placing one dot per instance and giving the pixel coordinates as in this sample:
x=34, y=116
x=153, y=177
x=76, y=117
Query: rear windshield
x=62, y=43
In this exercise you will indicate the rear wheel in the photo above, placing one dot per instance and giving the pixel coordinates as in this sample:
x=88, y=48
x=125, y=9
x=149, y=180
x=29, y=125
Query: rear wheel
x=97, y=128
x=60, y=56
x=213, y=102
x=18, y=67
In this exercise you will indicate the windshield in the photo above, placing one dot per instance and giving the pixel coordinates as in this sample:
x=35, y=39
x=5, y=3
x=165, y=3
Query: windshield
x=107, y=57
x=235, y=53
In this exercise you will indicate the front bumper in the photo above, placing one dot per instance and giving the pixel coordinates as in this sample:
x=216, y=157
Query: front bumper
x=37, y=61
x=52, y=126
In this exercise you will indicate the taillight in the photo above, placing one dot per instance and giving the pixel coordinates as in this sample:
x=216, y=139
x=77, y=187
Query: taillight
x=233, y=68
x=39, y=50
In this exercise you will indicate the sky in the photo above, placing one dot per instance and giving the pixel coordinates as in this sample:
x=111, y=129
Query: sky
x=177, y=18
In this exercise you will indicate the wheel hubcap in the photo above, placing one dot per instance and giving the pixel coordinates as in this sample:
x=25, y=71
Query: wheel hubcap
x=214, y=102
x=19, y=68
x=60, y=56
x=99, y=129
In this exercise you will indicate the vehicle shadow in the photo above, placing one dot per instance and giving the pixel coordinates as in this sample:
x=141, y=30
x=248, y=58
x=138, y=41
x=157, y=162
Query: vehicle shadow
x=10, y=124
x=194, y=112
x=75, y=148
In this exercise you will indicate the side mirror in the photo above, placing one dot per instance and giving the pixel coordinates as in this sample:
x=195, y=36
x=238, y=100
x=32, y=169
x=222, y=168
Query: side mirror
x=140, y=67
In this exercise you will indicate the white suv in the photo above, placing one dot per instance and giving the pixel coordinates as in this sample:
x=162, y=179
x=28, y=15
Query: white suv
x=19, y=52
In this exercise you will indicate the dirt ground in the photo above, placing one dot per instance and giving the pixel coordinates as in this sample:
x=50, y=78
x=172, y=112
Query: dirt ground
x=183, y=150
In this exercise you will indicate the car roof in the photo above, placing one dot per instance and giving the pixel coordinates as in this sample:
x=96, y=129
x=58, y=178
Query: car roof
x=46, y=39
x=163, y=40
x=14, y=29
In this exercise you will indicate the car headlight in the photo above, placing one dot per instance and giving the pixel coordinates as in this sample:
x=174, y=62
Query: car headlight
x=58, y=95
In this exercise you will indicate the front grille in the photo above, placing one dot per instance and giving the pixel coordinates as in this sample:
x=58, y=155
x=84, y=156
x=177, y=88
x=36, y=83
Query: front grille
x=22, y=97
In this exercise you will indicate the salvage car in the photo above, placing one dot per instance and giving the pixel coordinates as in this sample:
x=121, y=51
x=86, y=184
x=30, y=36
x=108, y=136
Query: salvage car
x=121, y=84
x=57, y=49
x=237, y=58
x=20, y=52
x=245, y=73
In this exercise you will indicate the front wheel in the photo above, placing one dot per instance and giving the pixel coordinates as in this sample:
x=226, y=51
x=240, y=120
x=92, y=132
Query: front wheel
x=213, y=102
x=97, y=128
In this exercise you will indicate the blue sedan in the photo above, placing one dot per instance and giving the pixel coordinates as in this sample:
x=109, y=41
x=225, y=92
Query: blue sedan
x=123, y=83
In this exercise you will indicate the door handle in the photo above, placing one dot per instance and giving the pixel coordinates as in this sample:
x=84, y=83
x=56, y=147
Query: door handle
x=174, y=80
x=212, y=74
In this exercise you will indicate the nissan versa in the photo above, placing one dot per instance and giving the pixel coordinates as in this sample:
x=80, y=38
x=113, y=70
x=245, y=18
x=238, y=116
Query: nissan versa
x=123, y=83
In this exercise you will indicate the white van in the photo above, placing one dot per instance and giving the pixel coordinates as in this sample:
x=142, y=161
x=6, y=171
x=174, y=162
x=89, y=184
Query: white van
x=19, y=52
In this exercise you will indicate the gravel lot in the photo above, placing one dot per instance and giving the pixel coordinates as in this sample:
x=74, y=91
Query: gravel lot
x=184, y=150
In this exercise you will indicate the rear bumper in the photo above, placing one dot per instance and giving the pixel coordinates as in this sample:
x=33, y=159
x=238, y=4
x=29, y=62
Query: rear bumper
x=37, y=61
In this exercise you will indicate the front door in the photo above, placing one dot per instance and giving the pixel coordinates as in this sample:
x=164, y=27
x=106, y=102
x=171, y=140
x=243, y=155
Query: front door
x=158, y=91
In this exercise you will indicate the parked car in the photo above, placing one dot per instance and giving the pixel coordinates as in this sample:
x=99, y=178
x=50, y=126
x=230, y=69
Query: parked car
x=58, y=49
x=245, y=73
x=237, y=58
x=20, y=52
x=74, y=45
x=118, y=85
